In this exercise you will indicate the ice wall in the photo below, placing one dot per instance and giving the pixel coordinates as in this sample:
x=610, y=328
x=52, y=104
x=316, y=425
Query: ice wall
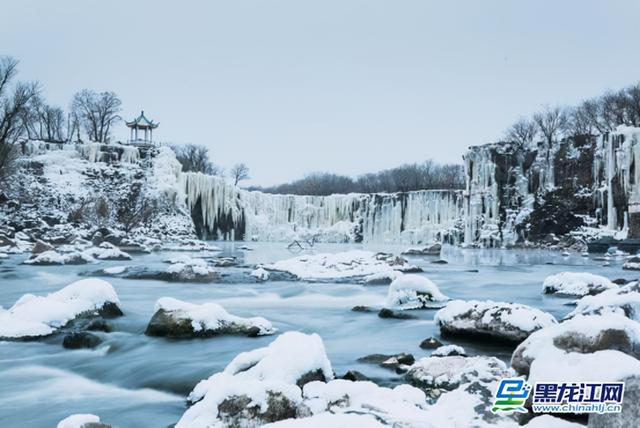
x=221, y=210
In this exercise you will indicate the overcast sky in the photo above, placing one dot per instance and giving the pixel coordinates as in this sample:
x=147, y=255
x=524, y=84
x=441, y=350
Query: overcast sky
x=347, y=86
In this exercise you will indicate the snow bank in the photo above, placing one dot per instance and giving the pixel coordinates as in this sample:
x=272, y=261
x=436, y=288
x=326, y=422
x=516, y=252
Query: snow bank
x=581, y=333
x=276, y=370
x=452, y=371
x=78, y=421
x=204, y=320
x=500, y=320
x=576, y=284
x=621, y=301
x=33, y=316
x=348, y=264
x=413, y=292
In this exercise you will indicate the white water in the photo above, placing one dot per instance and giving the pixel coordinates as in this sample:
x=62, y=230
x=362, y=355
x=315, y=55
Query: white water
x=135, y=380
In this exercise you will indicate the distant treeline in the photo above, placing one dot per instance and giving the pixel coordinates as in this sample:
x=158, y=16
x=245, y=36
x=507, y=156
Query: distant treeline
x=404, y=178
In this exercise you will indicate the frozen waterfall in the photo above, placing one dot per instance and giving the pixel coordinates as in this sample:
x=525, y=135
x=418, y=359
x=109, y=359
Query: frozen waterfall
x=221, y=210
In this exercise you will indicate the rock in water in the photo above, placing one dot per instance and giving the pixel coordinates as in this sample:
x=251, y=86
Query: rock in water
x=41, y=247
x=430, y=343
x=354, y=376
x=576, y=284
x=632, y=263
x=622, y=301
x=80, y=340
x=582, y=334
x=511, y=322
x=414, y=292
x=388, y=313
x=450, y=372
x=182, y=320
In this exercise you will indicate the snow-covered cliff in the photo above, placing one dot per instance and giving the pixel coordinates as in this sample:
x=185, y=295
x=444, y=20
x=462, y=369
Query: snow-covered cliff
x=581, y=186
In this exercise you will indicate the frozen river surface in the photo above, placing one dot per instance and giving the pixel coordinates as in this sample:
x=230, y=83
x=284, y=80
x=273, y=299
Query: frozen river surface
x=133, y=380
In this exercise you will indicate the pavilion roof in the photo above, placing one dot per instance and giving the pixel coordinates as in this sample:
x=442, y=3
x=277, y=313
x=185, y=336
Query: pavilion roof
x=142, y=122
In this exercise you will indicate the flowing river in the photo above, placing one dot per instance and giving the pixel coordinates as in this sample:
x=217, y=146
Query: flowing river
x=132, y=380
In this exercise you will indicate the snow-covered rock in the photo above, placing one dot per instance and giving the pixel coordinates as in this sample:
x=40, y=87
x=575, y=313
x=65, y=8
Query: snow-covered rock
x=414, y=292
x=53, y=257
x=260, y=273
x=177, y=319
x=449, y=372
x=630, y=414
x=181, y=269
x=632, y=263
x=607, y=365
x=81, y=420
x=259, y=386
x=497, y=320
x=624, y=300
x=333, y=420
x=585, y=334
x=344, y=265
x=189, y=245
x=35, y=316
x=382, y=278
x=432, y=250
x=576, y=284
x=449, y=351
x=107, y=251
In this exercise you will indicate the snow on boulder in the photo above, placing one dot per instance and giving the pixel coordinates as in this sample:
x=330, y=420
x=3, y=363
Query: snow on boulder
x=344, y=265
x=632, y=263
x=81, y=421
x=449, y=351
x=581, y=333
x=107, y=251
x=452, y=371
x=53, y=257
x=414, y=292
x=382, y=278
x=511, y=322
x=433, y=250
x=333, y=420
x=36, y=316
x=259, y=386
x=189, y=245
x=260, y=273
x=403, y=405
x=177, y=319
x=606, y=365
x=622, y=301
x=576, y=284
x=182, y=269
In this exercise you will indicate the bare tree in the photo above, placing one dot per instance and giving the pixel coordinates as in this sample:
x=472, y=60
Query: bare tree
x=239, y=172
x=523, y=132
x=550, y=123
x=195, y=158
x=579, y=121
x=43, y=121
x=135, y=209
x=633, y=104
x=97, y=112
x=12, y=106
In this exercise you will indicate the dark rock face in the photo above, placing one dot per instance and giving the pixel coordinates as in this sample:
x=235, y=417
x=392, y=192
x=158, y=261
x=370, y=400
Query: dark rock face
x=430, y=343
x=187, y=275
x=316, y=375
x=630, y=414
x=80, y=340
x=41, y=247
x=363, y=309
x=354, y=376
x=399, y=315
